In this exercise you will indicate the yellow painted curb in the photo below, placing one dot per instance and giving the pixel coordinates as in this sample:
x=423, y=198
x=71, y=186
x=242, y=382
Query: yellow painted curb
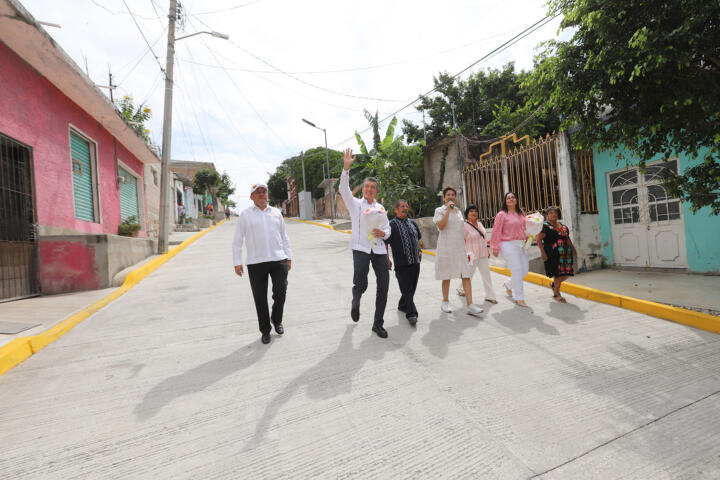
x=21, y=348
x=703, y=321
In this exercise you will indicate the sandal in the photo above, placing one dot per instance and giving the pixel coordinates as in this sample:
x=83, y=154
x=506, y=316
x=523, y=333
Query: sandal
x=521, y=303
x=460, y=292
x=490, y=301
x=559, y=298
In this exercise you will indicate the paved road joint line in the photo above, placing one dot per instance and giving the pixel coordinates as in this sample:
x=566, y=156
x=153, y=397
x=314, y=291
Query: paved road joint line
x=703, y=321
x=22, y=348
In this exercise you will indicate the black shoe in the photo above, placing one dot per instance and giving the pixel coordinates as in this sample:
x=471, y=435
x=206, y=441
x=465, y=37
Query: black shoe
x=355, y=313
x=412, y=319
x=265, y=338
x=279, y=328
x=402, y=309
x=381, y=332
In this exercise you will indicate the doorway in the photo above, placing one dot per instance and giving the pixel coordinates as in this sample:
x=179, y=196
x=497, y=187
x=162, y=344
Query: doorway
x=18, y=232
x=647, y=223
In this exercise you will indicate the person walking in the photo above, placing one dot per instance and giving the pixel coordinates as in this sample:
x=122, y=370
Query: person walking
x=508, y=236
x=478, y=255
x=406, y=245
x=557, y=251
x=227, y=212
x=370, y=227
x=262, y=228
x=450, y=258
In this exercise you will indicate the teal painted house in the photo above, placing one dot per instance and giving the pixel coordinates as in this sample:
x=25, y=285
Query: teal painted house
x=641, y=226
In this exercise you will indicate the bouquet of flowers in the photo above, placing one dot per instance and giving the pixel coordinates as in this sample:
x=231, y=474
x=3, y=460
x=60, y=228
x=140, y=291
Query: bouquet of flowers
x=533, y=226
x=374, y=218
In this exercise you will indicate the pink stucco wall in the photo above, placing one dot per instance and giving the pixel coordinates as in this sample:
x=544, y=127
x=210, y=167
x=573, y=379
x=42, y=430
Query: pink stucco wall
x=36, y=113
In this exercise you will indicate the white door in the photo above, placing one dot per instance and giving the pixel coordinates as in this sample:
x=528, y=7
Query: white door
x=647, y=224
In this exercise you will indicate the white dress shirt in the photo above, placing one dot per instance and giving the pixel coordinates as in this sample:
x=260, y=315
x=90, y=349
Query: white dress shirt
x=358, y=239
x=265, y=235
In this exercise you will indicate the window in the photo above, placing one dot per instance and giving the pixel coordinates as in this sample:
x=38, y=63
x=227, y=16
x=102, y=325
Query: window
x=83, y=158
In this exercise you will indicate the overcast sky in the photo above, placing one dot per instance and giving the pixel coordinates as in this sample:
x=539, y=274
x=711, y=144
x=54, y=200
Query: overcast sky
x=231, y=104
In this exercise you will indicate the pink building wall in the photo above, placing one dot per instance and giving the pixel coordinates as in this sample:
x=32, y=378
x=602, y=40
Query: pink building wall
x=36, y=113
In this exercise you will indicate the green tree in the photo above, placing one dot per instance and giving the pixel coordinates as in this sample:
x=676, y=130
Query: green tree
x=277, y=187
x=137, y=116
x=207, y=180
x=225, y=189
x=486, y=103
x=644, y=75
x=398, y=168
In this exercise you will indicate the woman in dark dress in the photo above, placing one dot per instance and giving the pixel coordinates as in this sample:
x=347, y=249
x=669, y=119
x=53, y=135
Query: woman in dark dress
x=557, y=251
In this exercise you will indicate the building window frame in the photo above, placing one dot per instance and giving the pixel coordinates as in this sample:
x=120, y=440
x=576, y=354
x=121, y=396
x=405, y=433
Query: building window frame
x=140, y=190
x=94, y=181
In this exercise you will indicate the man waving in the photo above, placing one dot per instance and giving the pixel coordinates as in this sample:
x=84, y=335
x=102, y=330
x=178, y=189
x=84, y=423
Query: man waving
x=370, y=227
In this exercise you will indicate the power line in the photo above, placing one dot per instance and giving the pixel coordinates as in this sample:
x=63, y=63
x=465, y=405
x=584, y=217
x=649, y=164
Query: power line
x=247, y=100
x=98, y=4
x=157, y=59
x=221, y=67
x=532, y=28
x=229, y=8
x=334, y=92
x=142, y=56
x=193, y=110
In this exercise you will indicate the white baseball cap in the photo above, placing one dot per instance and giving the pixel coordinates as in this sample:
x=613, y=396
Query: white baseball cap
x=256, y=186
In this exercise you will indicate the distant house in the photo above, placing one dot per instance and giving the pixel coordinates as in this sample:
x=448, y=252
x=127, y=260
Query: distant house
x=71, y=170
x=184, y=172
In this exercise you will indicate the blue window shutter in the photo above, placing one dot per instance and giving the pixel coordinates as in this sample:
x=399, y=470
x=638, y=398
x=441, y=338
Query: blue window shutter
x=128, y=195
x=82, y=178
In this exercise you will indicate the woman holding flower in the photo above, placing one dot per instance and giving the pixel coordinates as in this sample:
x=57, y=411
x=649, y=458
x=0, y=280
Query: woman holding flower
x=508, y=237
x=557, y=251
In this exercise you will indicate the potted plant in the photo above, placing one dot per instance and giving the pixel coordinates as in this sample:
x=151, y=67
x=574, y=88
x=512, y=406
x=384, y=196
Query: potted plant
x=129, y=227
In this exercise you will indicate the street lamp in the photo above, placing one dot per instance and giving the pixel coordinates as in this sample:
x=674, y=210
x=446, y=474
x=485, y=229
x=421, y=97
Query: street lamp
x=167, y=123
x=327, y=163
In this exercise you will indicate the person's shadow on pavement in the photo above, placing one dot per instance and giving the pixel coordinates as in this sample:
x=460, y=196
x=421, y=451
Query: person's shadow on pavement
x=443, y=331
x=334, y=374
x=198, y=379
x=520, y=320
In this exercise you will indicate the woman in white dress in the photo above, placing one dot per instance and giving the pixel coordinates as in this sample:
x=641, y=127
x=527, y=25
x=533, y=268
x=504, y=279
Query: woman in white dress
x=450, y=259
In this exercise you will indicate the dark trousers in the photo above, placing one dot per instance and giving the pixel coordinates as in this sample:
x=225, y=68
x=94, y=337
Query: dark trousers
x=407, y=277
x=259, y=273
x=361, y=264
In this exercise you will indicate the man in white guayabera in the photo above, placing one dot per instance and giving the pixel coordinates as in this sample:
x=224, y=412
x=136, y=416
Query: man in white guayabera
x=262, y=228
x=370, y=227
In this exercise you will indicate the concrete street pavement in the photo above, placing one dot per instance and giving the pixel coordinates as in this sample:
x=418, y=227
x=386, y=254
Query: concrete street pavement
x=171, y=381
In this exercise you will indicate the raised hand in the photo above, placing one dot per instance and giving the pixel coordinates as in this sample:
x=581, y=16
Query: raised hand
x=348, y=158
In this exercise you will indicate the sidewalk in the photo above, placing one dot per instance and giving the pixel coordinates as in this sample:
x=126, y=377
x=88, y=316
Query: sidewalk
x=43, y=312
x=679, y=289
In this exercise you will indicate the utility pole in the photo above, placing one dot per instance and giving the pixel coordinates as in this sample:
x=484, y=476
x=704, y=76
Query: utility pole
x=330, y=185
x=302, y=159
x=167, y=129
x=110, y=86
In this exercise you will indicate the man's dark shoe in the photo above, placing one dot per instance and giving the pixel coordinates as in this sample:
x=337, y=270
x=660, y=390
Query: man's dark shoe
x=402, y=308
x=265, y=338
x=412, y=319
x=279, y=328
x=381, y=332
x=355, y=313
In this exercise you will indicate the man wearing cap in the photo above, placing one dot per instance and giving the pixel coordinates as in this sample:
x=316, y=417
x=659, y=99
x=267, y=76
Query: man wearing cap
x=370, y=227
x=262, y=228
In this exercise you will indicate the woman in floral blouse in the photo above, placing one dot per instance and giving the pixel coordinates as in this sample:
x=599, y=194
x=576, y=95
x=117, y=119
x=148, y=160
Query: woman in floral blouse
x=557, y=251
